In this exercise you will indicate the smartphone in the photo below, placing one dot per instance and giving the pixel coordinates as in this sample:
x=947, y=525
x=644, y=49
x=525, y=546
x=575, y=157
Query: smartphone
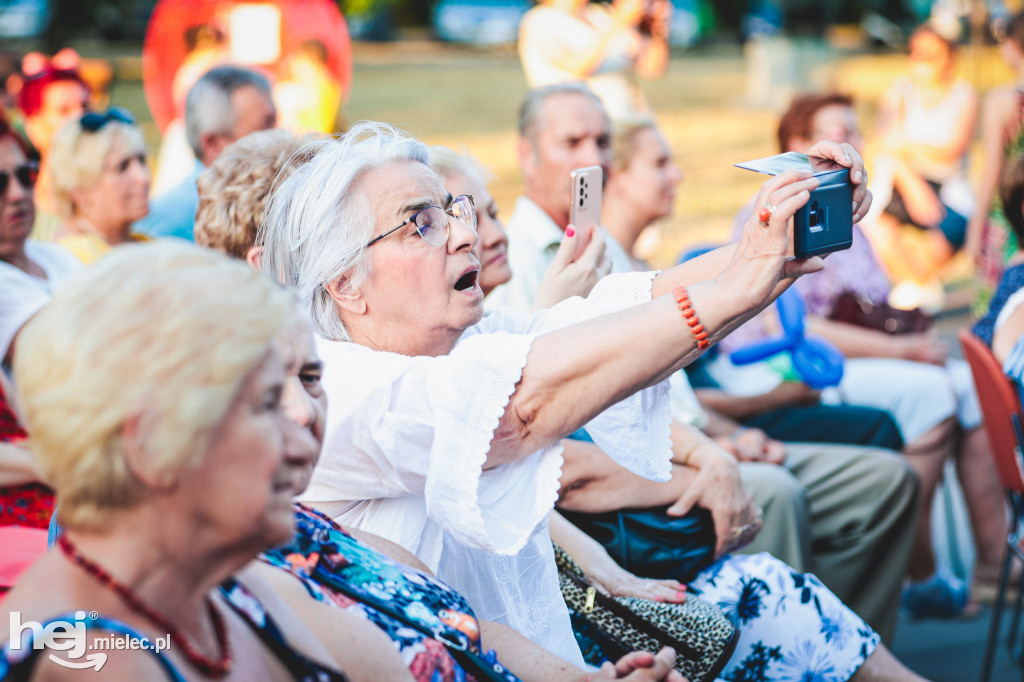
x=825, y=223
x=586, y=184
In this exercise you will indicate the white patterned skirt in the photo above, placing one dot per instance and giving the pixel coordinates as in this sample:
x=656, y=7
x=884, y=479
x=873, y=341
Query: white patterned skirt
x=792, y=628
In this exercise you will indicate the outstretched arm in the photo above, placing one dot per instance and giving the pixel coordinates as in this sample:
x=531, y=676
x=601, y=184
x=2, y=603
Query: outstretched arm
x=574, y=373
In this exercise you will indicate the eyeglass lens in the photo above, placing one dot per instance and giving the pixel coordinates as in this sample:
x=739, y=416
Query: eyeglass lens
x=432, y=222
x=462, y=208
x=26, y=175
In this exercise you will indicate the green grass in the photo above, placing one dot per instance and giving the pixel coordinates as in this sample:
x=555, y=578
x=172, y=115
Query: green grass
x=467, y=99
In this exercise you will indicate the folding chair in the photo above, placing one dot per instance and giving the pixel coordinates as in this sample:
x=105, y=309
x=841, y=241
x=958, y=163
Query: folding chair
x=1001, y=408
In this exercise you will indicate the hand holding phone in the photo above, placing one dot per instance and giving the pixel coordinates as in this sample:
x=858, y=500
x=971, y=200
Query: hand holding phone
x=825, y=223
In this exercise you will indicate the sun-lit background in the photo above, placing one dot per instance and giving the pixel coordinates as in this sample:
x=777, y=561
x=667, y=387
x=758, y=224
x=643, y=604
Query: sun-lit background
x=448, y=71
x=717, y=103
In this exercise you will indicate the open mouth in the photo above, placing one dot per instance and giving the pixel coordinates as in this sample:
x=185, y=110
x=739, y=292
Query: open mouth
x=467, y=281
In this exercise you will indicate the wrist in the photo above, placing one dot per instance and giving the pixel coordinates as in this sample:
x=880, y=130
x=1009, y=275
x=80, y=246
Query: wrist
x=739, y=288
x=716, y=302
x=686, y=309
x=706, y=453
x=904, y=350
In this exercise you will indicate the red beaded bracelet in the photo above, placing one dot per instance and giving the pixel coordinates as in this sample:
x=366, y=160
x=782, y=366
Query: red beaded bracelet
x=690, y=315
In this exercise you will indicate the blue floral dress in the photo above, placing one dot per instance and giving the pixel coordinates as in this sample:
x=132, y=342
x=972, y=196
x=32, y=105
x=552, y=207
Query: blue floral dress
x=792, y=628
x=339, y=570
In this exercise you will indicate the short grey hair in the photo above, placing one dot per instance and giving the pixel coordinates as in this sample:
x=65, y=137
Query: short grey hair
x=208, y=104
x=319, y=220
x=529, y=110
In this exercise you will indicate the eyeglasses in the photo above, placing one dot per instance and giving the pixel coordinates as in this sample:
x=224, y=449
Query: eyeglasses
x=93, y=120
x=432, y=222
x=25, y=174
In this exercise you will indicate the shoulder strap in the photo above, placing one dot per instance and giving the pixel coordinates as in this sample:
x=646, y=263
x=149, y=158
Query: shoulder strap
x=18, y=666
x=245, y=604
x=484, y=668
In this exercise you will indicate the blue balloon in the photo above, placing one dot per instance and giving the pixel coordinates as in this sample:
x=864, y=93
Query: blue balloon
x=817, y=362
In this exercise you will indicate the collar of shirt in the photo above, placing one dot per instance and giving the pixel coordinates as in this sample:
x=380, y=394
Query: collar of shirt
x=531, y=224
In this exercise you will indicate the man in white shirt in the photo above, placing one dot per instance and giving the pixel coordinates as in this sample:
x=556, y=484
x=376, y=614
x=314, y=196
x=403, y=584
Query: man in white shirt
x=561, y=128
x=842, y=512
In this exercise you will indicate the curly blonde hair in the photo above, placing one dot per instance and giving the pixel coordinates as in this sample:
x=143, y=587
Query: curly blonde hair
x=233, y=191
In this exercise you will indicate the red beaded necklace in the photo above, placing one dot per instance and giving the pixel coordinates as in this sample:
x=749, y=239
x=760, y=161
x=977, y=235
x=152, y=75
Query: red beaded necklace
x=209, y=668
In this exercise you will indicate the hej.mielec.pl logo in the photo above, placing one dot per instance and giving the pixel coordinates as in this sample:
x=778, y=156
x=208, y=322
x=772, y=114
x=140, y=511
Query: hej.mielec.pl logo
x=70, y=638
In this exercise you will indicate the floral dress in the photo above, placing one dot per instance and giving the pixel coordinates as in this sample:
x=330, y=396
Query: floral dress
x=30, y=504
x=339, y=570
x=791, y=627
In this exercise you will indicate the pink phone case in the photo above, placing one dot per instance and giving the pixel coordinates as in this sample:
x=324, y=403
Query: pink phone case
x=586, y=196
x=585, y=211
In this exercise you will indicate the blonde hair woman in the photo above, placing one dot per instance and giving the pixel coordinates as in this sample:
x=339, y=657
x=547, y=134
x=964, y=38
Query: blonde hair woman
x=101, y=182
x=158, y=413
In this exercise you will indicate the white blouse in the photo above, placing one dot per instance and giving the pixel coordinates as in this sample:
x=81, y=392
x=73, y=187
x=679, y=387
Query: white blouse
x=22, y=294
x=407, y=438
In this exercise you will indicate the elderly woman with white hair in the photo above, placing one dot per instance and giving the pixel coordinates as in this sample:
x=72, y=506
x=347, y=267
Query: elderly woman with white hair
x=159, y=415
x=445, y=425
x=431, y=626
x=101, y=182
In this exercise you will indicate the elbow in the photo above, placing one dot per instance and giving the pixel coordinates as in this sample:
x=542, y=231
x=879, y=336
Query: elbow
x=515, y=437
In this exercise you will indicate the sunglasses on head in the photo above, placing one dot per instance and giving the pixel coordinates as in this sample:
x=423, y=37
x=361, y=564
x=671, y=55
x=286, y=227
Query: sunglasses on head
x=25, y=174
x=94, y=120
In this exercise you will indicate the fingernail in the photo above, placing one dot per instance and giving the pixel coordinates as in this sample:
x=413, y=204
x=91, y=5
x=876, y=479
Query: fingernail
x=855, y=207
x=570, y=232
x=858, y=176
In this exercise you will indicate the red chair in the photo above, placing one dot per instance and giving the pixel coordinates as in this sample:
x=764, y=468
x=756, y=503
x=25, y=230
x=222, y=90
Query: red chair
x=1001, y=408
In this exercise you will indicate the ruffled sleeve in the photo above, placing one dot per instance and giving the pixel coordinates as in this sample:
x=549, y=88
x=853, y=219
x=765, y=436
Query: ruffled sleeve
x=411, y=434
x=421, y=427
x=634, y=432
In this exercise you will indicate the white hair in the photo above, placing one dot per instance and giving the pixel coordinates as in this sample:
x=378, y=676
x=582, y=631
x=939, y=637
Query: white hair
x=319, y=220
x=208, y=107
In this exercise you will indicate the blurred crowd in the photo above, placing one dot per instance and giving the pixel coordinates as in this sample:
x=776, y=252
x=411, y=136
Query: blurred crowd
x=312, y=410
